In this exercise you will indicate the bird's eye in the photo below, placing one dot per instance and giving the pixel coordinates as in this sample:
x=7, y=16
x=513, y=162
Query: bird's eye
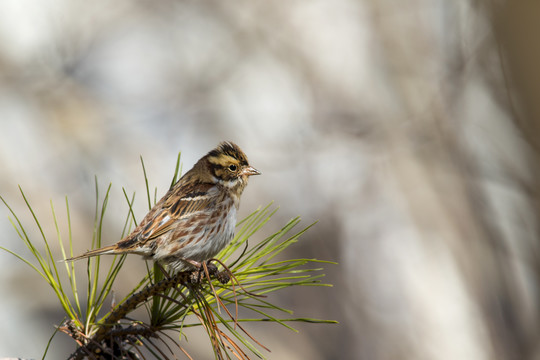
x=232, y=167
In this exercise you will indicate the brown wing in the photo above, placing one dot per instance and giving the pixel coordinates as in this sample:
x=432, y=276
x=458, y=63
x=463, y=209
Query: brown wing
x=163, y=217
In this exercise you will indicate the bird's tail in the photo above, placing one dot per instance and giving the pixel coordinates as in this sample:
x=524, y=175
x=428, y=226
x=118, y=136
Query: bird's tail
x=107, y=250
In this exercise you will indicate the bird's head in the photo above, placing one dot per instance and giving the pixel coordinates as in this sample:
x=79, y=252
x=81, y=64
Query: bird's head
x=229, y=167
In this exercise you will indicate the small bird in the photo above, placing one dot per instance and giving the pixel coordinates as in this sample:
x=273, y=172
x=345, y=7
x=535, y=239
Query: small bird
x=196, y=217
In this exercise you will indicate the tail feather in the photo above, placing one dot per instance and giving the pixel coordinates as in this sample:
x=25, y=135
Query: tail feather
x=107, y=250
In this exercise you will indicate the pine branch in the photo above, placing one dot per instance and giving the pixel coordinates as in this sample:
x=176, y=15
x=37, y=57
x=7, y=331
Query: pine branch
x=107, y=329
x=172, y=303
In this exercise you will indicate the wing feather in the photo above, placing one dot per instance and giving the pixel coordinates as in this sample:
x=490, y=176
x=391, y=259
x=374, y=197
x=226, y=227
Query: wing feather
x=175, y=208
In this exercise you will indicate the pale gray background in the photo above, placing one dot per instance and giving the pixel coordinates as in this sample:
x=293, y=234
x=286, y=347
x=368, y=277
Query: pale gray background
x=407, y=129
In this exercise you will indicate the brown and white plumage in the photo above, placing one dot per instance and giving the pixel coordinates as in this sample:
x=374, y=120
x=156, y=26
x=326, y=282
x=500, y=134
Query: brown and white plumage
x=196, y=217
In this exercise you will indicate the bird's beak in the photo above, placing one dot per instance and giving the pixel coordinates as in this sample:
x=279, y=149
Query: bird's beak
x=250, y=170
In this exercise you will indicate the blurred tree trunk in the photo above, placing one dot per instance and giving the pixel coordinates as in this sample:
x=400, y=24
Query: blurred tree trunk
x=517, y=25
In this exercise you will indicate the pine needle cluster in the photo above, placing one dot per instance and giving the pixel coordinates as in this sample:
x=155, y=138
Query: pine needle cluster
x=240, y=282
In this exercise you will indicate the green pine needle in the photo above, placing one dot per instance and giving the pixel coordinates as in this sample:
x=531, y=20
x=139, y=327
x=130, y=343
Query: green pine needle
x=259, y=268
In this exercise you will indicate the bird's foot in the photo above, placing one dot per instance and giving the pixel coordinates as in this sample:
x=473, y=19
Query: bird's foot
x=196, y=276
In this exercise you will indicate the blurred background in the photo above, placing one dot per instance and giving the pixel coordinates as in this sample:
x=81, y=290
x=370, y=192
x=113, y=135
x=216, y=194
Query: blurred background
x=410, y=132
